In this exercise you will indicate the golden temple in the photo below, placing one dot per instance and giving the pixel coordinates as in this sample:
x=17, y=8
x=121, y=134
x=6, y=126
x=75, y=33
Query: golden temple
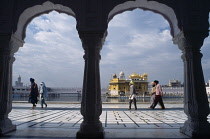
x=120, y=86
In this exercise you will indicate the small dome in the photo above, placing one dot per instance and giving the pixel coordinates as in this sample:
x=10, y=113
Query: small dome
x=122, y=73
x=114, y=76
x=145, y=75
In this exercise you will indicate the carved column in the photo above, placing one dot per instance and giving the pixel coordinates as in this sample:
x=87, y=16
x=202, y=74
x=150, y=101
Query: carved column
x=91, y=105
x=8, y=46
x=196, y=105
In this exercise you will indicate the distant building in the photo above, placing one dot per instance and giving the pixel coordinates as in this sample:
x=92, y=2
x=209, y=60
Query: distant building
x=208, y=89
x=174, y=83
x=207, y=84
x=18, y=83
x=120, y=86
x=64, y=92
x=178, y=91
x=19, y=89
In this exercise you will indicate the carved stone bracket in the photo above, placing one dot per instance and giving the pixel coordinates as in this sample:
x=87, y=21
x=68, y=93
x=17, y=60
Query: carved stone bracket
x=15, y=44
x=12, y=47
x=190, y=43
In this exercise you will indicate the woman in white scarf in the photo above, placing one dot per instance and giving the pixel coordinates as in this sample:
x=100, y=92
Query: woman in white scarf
x=43, y=94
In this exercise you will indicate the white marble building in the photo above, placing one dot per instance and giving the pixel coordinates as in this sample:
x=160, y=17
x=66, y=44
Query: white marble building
x=208, y=89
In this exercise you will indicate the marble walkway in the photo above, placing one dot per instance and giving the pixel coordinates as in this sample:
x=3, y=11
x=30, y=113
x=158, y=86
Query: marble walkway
x=63, y=121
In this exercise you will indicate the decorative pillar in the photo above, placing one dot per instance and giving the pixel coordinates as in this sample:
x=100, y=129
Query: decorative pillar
x=8, y=46
x=91, y=105
x=196, y=105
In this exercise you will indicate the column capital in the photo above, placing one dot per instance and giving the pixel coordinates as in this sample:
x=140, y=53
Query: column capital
x=92, y=39
x=190, y=43
x=190, y=39
x=4, y=43
x=9, y=45
x=92, y=43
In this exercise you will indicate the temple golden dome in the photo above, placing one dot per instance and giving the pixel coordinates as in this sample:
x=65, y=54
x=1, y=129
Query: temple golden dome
x=134, y=75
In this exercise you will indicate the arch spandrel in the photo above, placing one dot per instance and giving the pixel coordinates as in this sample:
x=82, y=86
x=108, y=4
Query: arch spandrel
x=37, y=10
x=156, y=7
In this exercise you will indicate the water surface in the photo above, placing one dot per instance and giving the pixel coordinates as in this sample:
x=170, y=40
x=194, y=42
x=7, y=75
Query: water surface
x=104, y=99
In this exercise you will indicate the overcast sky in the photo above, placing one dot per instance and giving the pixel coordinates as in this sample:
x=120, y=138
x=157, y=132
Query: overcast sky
x=137, y=41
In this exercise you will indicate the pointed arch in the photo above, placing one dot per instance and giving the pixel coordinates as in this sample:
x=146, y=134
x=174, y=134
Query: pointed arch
x=37, y=10
x=162, y=9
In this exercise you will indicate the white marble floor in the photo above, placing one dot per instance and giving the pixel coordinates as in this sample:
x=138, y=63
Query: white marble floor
x=63, y=121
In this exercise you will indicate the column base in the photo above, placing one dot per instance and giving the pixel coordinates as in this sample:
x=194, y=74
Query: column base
x=81, y=135
x=91, y=130
x=196, y=129
x=6, y=126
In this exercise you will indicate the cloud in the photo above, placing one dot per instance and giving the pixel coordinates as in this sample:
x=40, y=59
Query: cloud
x=206, y=58
x=137, y=41
x=142, y=44
x=52, y=53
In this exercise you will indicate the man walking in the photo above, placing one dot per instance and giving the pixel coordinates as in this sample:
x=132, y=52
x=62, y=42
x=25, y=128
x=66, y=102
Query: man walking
x=132, y=96
x=153, y=94
x=158, y=95
x=33, y=93
x=43, y=94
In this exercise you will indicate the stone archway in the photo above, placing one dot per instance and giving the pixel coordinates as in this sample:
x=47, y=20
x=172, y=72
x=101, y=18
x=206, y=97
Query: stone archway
x=196, y=105
x=162, y=9
x=92, y=32
x=15, y=41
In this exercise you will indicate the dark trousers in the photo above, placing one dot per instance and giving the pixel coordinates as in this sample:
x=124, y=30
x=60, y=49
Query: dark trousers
x=158, y=98
x=134, y=102
x=33, y=98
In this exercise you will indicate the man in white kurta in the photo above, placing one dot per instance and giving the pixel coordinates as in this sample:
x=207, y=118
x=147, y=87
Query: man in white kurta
x=132, y=96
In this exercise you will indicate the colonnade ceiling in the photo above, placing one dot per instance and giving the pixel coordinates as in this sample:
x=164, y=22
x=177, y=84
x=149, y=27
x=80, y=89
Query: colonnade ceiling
x=94, y=15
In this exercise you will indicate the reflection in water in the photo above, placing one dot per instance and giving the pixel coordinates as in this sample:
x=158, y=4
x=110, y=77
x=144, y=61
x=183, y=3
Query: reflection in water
x=69, y=99
x=104, y=99
x=139, y=99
